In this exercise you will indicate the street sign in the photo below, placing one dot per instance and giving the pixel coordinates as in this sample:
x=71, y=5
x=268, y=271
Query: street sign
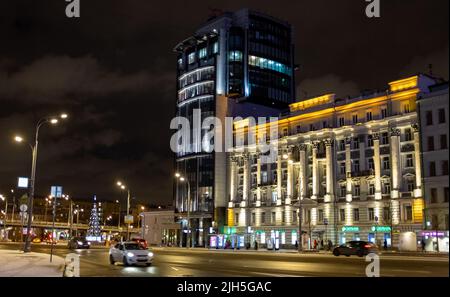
x=23, y=208
x=56, y=191
x=22, y=182
x=128, y=219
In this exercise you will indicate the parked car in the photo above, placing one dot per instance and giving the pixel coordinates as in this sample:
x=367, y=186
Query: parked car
x=358, y=248
x=130, y=253
x=140, y=241
x=78, y=243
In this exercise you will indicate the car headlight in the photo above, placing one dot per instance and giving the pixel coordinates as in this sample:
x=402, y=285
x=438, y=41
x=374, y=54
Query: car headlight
x=130, y=255
x=150, y=254
x=79, y=242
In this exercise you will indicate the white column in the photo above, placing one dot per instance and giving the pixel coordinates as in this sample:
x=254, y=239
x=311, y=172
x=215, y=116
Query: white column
x=395, y=161
x=290, y=178
x=348, y=169
x=302, y=174
x=246, y=186
x=279, y=178
x=377, y=166
x=329, y=170
x=418, y=168
x=233, y=181
x=258, y=180
x=315, y=172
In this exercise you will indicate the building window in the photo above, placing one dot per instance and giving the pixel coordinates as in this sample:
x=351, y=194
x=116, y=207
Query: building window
x=324, y=124
x=202, y=53
x=371, y=164
x=371, y=214
x=444, y=145
x=299, y=130
x=191, y=58
x=311, y=127
x=370, y=141
x=429, y=118
x=386, y=165
x=264, y=177
x=356, y=166
x=264, y=63
x=369, y=116
x=263, y=217
x=355, y=119
x=387, y=188
x=408, y=212
x=446, y=194
x=342, y=168
x=343, y=191
x=430, y=141
x=406, y=108
x=236, y=219
x=444, y=167
x=274, y=217
x=342, y=214
x=386, y=214
x=235, y=56
x=294, y=216
x=433, y=195
x=410, y=185
x=356, y=214
x=180, y=62
x=283, y=217
x=253, y=218
x=320, y=215
x=408, y=135
x=216, y=47
x=285, y=132
x=341, y=122
x=357, y=190
x=432, y=168
x=441, y=116
x=384, y=138
x=371, y=189
x=342, y=145
x=355, y=143
x=409, y=161
x=384, y=113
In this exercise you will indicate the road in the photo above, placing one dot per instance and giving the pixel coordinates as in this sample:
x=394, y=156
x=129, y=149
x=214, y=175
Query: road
x=202, y=263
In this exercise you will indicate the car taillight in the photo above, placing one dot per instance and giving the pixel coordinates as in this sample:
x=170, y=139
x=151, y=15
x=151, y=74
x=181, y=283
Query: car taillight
x=367, y=246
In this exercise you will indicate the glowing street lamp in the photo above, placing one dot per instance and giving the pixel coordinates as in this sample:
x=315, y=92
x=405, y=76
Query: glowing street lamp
x=183, y=179
x=123, y=187
x=34, y=150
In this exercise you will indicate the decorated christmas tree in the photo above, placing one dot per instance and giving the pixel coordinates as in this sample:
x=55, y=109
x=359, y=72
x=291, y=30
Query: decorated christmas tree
x=94, y=231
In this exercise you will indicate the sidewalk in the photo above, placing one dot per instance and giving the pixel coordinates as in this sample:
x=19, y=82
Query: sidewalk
x=294, y=252
x=20, y=264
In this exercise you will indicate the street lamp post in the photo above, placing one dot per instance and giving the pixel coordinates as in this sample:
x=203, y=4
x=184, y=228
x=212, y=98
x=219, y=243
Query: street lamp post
x=3, y=198
x=123, y=187
x=182, y=179
x=120, y=210
x=34, y=152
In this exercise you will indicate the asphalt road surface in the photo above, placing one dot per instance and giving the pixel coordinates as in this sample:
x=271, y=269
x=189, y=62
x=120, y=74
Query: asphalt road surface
x=202, y=263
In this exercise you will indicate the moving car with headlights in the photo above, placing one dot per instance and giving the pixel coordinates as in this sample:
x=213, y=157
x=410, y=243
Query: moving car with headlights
x=78, y=243
x=358, y=248
x=130, y=253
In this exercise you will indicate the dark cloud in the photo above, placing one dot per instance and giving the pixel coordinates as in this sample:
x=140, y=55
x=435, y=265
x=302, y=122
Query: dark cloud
x=327, y=84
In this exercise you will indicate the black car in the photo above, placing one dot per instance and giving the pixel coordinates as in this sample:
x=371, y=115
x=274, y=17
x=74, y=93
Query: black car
x=358, y=248
x=78, y=243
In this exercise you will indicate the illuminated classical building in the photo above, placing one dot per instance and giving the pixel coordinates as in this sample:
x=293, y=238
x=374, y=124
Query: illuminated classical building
x=353, y=166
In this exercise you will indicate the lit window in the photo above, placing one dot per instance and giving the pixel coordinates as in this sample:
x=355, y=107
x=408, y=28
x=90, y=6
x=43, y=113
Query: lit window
x=269, y=64
x=235, y=56
x=216, y=47
x=202, y=53
x=191, y=58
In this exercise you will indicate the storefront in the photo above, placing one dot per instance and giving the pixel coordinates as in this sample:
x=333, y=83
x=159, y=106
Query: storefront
x=374, y=234
x=435, y=241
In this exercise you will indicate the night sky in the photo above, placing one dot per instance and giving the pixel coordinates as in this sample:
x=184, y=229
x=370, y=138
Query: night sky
x=113, y=71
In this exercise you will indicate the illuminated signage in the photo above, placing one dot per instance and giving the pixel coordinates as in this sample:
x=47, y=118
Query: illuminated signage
x=22, y=183
x=213, y=241
x=350, y=229
x=385, y=229
x=433, y=233
x=230, y=230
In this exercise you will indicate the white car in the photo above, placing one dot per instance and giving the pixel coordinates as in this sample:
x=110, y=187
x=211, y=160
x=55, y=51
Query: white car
x=130, y=253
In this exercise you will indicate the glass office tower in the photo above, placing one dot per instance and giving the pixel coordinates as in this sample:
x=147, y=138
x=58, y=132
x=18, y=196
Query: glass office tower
x=237, y=64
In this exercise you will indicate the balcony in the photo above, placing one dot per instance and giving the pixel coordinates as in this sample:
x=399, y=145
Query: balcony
x=363, y=173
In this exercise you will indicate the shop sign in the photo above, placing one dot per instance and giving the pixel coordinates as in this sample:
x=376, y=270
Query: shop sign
x=230, y=230
x=381, y=229
x=350, y=229
x=433, y=233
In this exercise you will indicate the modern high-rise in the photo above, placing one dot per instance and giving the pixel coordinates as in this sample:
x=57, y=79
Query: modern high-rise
x=237, y=64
